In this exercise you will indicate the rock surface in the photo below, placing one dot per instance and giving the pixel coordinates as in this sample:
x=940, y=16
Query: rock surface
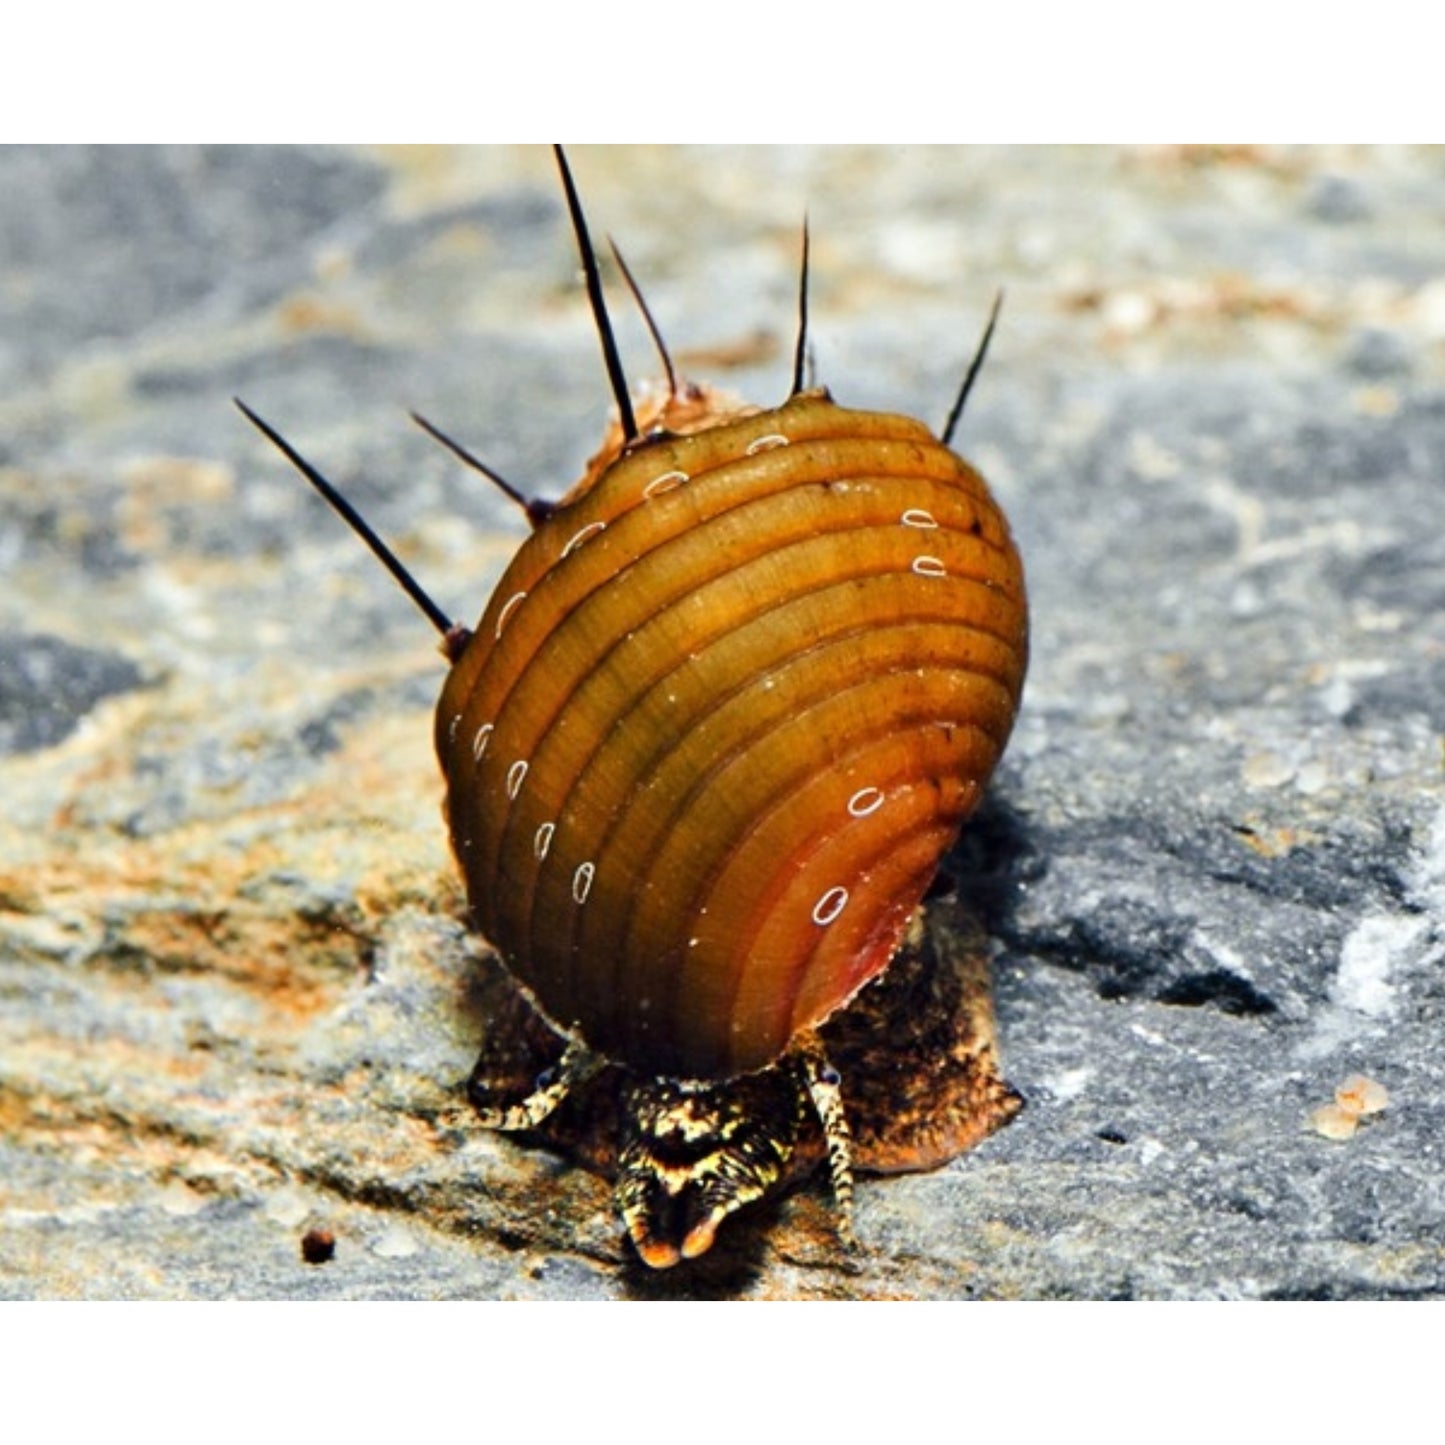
x=237, y=993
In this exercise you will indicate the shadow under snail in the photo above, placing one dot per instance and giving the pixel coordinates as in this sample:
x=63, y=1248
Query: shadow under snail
x=704, y=751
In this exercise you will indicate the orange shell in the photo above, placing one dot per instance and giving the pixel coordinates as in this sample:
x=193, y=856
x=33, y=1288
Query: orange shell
x=722, y=717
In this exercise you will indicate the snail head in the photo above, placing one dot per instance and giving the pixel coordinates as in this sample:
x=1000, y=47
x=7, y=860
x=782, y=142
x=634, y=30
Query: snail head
x=693, y=1153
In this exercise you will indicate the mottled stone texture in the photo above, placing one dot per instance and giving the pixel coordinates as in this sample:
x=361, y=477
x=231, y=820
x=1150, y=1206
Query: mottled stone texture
x=238, y=999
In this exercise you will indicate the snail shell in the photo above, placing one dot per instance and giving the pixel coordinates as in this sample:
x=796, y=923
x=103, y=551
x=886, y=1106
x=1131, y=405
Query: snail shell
x=722, y=717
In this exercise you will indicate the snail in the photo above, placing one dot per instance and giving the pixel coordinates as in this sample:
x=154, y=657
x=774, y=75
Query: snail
x=720, y=721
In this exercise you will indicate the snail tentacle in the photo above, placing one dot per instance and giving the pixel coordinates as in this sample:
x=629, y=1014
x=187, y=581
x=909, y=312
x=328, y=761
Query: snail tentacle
x=577, y=1064
x=825, y=1090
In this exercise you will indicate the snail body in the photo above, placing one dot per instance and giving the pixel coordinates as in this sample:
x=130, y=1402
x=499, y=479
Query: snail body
x=721, y=719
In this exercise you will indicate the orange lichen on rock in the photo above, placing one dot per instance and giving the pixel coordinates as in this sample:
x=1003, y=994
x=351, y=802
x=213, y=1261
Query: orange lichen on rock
x=1355, y=1099
x=1360, y=1096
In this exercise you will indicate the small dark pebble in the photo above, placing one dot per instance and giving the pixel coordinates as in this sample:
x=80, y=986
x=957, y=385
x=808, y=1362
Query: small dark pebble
x=317, y=1246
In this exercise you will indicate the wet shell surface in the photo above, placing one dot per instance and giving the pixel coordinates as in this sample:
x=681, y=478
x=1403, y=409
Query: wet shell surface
x=722, y=717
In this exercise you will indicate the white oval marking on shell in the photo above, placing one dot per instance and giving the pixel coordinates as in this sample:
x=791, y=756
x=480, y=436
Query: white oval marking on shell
x=917, y=517
x=515, y=774
x=929, y=567
x=767, y=443
x=865, y=801
x=543, y=840
x=508, y=607
x=452, y=727
x=582, y=881
x=665, y=483
x=578, y=538
x=480, y=741
x=829, y=906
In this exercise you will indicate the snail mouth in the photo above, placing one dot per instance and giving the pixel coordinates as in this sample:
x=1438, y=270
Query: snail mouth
x=656, y=1241
x=659, y=1253
x=656, y=1253
x=692, y=1154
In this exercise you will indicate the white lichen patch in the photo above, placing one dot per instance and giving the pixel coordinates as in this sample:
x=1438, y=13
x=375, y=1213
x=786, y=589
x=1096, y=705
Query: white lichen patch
x=1369, y=957
x=1427, y=878
x=1383, y=948
x=395, y=1243
x=180, y=1201
x=287, y=1207
x=1266, y=770
x=1150, y=460
x=1070, y=1084
x=1151, y=1149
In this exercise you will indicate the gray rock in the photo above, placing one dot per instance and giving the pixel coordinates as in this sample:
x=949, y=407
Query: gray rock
x=47, y=685
x=239, y=997
x=1339, y=199
x=1376, y=353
